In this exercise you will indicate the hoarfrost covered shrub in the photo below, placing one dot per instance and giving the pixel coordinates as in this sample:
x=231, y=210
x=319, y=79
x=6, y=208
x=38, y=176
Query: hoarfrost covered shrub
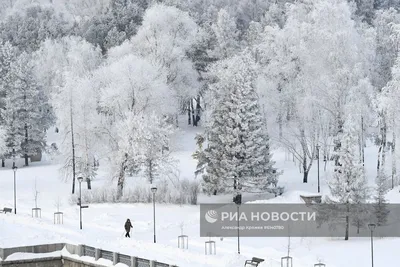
x=184, y=192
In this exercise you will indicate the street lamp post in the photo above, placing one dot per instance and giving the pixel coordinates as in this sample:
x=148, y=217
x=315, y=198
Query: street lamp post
x=372, y=227
x=80, y=179
x=238, y=233
x=14, y=167
x=318, y=168
x=154, y=190
x=237, y=199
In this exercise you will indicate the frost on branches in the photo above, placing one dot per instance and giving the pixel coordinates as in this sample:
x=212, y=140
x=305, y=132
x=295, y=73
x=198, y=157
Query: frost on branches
x=143, y=143
x=348, y=185
x=238, y=144
x=381, y=210
x=27, y=112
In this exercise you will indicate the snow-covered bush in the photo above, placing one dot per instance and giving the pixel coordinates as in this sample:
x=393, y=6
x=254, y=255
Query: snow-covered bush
x=182, y=193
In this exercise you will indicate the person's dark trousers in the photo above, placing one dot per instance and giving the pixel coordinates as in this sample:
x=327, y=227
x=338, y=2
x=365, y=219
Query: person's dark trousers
x=127, y=235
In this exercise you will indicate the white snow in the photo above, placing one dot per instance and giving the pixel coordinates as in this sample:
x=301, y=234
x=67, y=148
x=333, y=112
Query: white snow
x=25, y=256
x=103, y=223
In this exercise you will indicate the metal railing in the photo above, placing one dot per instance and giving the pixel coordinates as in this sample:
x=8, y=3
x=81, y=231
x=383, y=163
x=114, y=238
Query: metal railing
x=83, y=250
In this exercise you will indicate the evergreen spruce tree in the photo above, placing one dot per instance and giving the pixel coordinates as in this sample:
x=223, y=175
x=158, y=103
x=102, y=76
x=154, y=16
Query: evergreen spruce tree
x=238, y=145
x=27, y=112
x=380, y=204
x=348, y=186
x=7, y=57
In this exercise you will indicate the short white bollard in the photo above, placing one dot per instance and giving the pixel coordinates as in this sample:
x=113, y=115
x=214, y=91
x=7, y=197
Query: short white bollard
x=183, y=242
x=210, y=247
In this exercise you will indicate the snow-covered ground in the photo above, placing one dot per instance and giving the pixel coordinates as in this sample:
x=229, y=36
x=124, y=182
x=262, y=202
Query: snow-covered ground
x=103, y=223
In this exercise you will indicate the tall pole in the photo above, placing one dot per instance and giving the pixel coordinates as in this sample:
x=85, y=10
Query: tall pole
x=73, y=145
x=15, y=191
x=372, y=248
x=15, y=183
x=80, y=203
x=238, y=240
x=319, y=190
x=154, y=217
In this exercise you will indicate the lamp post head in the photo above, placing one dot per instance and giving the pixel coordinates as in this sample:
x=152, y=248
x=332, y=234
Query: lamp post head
x=372, y=226
x=80, y=179
x=154, y=190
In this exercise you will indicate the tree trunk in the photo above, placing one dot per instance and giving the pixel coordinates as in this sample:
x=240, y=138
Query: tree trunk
x=305, y=176
x=379, y=158
x=394, y=168
x=73, y=147
x=280, y=125
x=121, y=177
x=189, y=117
x=198, y=109
x=305, y=172
x=300, y=165
x=338, y=143
x=362, y=141
x=384, y=141
x=193, y=114
x=304, y=147
x=3, y=163
x=150, y=162
x=382, y=145
x=26, y=144
x=346, y=236
x=89, y=183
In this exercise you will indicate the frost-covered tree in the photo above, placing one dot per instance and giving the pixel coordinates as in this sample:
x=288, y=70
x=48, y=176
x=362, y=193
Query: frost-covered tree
x=130, y=88
x=348, y=185
x=154, y=148
x=381, y=209
x=307, y=86
x=140, y=142
x=28, y=27
x=388, y=100
x=69, y=92
x=164, y=39
x=114, y=38
x=3, y=138
x=237, y=150
x=227, y=35
x=27, y=110
x=80, y=10
x=7, y=58
x=117, y=24
x=387, y=36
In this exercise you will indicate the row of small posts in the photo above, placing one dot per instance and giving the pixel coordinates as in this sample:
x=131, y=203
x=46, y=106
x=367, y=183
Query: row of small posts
x=288, y=262
x=209, y=246
x=58, y=216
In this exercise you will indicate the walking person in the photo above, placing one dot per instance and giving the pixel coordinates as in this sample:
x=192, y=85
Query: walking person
x=128, y=226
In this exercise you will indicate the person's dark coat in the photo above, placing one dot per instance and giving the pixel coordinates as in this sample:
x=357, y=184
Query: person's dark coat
x=128, y=225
